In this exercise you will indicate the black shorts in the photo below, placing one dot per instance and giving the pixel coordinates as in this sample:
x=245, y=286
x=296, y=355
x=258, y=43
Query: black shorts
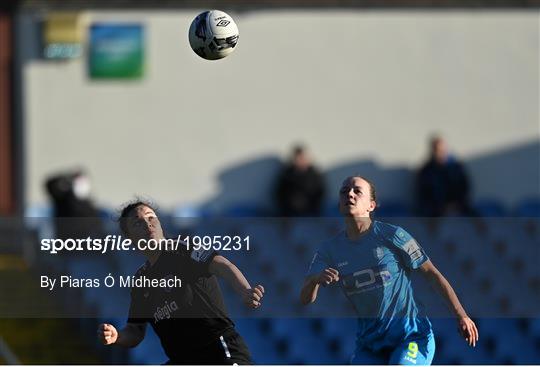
x=225, y=350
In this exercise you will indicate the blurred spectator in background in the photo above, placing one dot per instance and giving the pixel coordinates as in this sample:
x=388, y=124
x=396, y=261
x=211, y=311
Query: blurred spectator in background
x=442, y=185
x=70, y=195
x=300, y=187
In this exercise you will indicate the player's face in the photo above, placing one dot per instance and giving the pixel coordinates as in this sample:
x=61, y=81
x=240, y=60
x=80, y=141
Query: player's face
x=355, y=198
x=440, y=151
x=144, y=223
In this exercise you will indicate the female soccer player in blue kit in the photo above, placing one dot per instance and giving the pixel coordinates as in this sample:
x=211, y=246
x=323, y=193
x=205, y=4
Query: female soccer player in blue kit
x=371, y=261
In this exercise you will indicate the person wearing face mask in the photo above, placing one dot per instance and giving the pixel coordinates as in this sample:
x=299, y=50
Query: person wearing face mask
x=76, y=215
x=371, y=261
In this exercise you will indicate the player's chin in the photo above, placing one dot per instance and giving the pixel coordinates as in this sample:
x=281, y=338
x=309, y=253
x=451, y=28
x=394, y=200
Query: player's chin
x=347, y=211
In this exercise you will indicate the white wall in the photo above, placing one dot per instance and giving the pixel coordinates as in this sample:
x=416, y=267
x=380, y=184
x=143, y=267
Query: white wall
x=353, y=85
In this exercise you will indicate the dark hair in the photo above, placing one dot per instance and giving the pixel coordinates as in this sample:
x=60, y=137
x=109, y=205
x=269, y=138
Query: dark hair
x=298, y=149
x=372, y=190
x=128, y=208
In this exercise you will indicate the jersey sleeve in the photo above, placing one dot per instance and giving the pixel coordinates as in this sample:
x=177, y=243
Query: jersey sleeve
x=198, y=261
x=319, y=263
x=136, y=313
x=411, y=252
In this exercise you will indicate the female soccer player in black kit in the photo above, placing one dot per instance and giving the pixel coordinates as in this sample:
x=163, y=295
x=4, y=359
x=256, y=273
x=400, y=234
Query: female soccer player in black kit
x=190, y=320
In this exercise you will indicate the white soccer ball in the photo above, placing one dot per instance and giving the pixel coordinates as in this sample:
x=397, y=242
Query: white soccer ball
x=213, y=35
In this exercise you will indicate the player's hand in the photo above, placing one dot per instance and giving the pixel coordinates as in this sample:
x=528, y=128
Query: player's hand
x=107, y=334
x=468, y=330
x=328, y=276
x=252, y=297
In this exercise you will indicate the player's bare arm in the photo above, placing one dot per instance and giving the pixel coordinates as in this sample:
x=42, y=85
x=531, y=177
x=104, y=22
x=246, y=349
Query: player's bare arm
x=312, y=283
x=223, y=268
x=466, y=326
x=130, y=336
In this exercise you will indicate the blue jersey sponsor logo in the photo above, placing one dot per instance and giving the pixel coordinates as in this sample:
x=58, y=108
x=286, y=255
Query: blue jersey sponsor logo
x=367, y=279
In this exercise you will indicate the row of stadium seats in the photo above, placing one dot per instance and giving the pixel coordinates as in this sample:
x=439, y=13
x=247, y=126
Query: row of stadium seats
x=308, y=341
x=528, y=207
x=487, y=207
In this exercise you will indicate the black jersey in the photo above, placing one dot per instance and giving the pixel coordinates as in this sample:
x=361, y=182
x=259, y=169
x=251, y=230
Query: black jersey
x=186, y=318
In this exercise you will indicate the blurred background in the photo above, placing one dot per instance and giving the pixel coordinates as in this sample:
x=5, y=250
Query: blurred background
x=436, y=102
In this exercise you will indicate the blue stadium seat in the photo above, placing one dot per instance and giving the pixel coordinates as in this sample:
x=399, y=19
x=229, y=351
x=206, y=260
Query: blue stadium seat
x=416, y=228
x=290, y=327
x=523, y=253
x=534, y=327
x=189, y=211
x=244, y=210
x=392, y=208
x=39, y=218
x=499, y=229
x=310, y=231
x=149, y=351
x=451, y=348
x=490, y=208
x=507, y=298
x=306, y=343
x=274, y=305
x=528, y=208
x=186, y=217
x=310, y=349
x=331, y=210
x=458, y=229
x=266, y=240
x=338, y=327
x=114, y=305
x=110, y=220
x=167, y=223
x=260, y=344
x=244, y=261
x=511, y=345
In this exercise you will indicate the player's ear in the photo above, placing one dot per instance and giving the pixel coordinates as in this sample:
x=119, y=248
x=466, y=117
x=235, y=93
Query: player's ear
x=372, y=205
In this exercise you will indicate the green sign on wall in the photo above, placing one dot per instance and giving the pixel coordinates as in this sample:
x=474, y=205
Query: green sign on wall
x=116, y=51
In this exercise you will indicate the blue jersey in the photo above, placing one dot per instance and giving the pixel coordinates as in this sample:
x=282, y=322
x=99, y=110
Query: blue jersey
x=374, y=275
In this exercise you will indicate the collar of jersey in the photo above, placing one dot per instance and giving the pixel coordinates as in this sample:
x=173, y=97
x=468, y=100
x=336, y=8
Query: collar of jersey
x=364, y=235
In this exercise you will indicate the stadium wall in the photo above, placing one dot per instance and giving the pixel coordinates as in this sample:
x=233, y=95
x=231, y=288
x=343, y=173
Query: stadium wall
x=363, y=89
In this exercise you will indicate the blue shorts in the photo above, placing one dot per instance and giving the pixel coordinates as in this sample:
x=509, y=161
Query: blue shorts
x=412, y=352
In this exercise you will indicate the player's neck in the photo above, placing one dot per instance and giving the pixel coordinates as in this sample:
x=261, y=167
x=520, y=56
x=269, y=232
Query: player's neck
x=152, y=256
x=357, y=227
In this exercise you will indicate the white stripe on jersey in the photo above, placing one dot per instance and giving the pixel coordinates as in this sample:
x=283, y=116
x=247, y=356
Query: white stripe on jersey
x=227, y=353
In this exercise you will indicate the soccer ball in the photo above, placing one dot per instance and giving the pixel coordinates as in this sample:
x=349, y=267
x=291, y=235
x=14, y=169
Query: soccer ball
x=213, y=35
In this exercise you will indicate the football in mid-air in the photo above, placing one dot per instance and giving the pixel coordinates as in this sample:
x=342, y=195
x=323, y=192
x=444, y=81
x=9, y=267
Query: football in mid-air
x=213, y=34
